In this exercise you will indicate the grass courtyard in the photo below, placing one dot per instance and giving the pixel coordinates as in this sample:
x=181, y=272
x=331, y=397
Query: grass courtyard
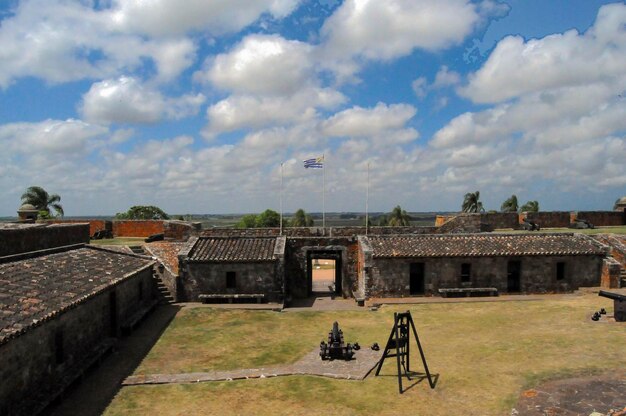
x=485, y=354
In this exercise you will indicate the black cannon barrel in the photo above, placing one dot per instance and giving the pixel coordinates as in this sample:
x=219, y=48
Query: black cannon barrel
x=611, y=295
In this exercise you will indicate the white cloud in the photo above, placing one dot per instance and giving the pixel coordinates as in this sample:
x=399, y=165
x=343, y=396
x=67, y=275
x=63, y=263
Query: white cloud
x=53, y=137
x=387, y=29
x=245, y=111
x=419, y=86
x=516, y=67
x=61, y=41
x=446, y=78
x=173, y=17
x=365, y=122
x=263, y=64
x=126, y=100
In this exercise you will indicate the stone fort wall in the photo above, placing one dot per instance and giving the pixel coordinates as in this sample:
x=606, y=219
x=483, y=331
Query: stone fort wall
x=35, y=237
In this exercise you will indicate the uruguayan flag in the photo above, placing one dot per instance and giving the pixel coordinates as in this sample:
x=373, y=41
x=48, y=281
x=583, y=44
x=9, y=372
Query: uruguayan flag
x=315, y=163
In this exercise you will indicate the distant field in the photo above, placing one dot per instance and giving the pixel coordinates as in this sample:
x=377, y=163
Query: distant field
x=485, y=353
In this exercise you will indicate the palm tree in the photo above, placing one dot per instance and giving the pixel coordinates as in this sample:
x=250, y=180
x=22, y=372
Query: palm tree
x=510, y=204
x=471, y=202
x=399, y=217
x=530, y=206
x=301, y=219
x=40, y=199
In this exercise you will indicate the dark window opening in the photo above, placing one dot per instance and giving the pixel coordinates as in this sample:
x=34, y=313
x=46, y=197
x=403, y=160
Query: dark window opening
x=59, y=352
x=560, y=271
x=231, y=280
x=466, y=271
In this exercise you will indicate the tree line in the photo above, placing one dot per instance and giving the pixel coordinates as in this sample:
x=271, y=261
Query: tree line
x=472, y=203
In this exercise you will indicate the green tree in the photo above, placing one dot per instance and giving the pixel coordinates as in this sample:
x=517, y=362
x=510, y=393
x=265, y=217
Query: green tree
x=40, y=199
x=143, y=212
x=510, y=204
x=472, y=203
x=247, y=221
x=301, y=219
x=530, y=206
x=383, y=221
x=399, y=217
x=268, y=218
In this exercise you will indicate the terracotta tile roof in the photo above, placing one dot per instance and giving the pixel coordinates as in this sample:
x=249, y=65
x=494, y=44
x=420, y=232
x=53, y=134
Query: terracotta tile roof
x=166, y=252
x=480, y=245
x=233, y=249
x=36, y=289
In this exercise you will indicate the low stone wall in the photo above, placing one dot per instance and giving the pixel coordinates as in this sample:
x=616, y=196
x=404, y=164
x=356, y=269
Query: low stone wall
x=137, y=228
x=601, y=218
x=36, y=237
x=314, y=231
x=548, y=219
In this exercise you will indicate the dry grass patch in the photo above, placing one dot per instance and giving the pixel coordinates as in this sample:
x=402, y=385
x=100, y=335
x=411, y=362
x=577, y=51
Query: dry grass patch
x=486, y=353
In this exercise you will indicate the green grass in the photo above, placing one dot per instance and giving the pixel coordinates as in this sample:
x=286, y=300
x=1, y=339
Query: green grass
x=120, y=241
x=485, y=353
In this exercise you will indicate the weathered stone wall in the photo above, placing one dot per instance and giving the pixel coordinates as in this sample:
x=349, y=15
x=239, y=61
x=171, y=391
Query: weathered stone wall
x=390, y=277
x=180, y=230
x=210, y=278
x=611, y=269
x=462, y=223
x=29, y=361
x=313, y=231
x=601, y=218
x=137, y=228
x=94, y=225
x=40, y=237
x=296, y=264
x=547, y=219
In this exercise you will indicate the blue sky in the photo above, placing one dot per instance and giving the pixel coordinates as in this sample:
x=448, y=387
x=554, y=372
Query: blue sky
x=193, y=106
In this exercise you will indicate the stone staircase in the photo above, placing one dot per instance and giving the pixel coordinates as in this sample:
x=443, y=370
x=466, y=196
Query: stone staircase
x=138, y=250
x=164, y=295
x=622, y=277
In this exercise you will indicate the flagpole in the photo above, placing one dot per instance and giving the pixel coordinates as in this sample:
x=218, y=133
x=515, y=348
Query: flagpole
x=324, y=194
x=367, y=199
x=281, y=199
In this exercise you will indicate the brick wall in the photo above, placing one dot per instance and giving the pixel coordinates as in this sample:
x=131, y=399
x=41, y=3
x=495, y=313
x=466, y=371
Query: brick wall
x=137, y=228
x=41, y=236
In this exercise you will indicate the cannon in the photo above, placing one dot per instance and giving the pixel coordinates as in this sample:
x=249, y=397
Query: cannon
x=100, y=234
x=530, y=225
x=619, y=304
x=336, y=348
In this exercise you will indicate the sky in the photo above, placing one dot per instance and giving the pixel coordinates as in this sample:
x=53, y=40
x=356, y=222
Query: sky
x=194, y=106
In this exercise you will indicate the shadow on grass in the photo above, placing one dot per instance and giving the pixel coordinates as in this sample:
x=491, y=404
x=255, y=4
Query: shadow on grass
x=415, y=377
x=93, y=394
